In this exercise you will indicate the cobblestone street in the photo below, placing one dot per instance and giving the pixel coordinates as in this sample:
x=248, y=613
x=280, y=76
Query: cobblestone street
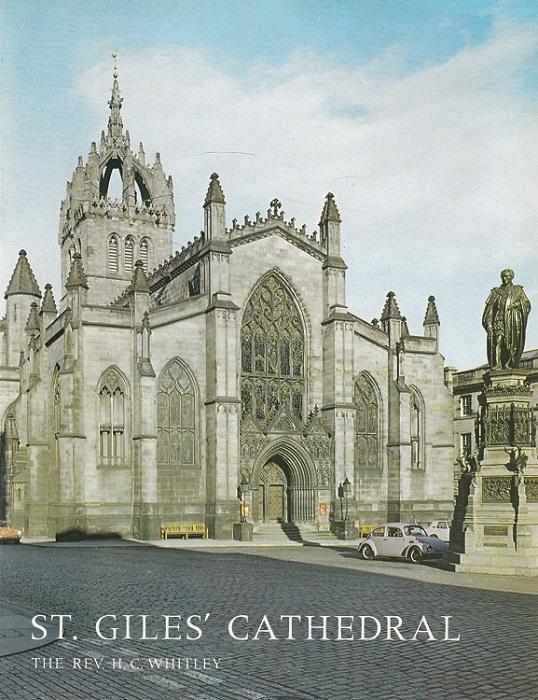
x=495, y=658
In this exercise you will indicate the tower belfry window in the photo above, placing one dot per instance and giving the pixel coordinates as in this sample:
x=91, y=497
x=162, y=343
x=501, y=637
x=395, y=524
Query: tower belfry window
x=129, y=254
x=144, y=253
x=113, y=254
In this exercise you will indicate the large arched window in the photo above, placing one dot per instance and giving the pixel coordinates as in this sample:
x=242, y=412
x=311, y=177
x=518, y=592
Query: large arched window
x=416, y=419
x=113, y=253
x=129, y=255
x=112, y=418
x=367, y=423
x=272, y=353
x=176, y=416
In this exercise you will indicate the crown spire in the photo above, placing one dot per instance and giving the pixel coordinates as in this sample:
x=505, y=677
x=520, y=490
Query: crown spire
x=115, y=124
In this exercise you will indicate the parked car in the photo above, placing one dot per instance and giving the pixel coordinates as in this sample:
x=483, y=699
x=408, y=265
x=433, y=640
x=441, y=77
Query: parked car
x=403, y=540
x=9, y=533
x=438, y=528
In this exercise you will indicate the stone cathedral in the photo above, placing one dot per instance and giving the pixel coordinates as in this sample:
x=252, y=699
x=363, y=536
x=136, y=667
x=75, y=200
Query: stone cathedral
x=158, y=383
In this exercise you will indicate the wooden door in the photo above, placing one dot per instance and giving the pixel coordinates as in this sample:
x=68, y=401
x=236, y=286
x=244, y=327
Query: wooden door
x=275, y=505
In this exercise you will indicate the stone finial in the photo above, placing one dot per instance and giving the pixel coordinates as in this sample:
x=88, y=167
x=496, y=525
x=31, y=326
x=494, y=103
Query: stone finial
x=391, y=309
x=32, y=324
x=22, y=280
x=214, y=191
x=330, y=210
x=375, y=322
x=48, y=305
x=432, y=316
x=140, y=281
x=76, y=276
x=276, y=206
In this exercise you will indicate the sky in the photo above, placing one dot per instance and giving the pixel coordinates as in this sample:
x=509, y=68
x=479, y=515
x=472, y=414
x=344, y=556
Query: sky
x=420, y=117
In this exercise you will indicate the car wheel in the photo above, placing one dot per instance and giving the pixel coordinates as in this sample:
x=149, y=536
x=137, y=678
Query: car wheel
x=415, y=555
x=367, y=552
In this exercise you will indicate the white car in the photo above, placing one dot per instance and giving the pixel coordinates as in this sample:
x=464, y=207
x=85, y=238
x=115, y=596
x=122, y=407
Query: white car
x=403, y=540
x=438, y=528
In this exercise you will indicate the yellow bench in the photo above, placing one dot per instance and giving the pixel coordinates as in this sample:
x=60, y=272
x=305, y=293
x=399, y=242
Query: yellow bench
x=365, y=530
x=183, y=530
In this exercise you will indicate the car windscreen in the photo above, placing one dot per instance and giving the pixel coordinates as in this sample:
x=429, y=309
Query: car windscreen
x=415, y=530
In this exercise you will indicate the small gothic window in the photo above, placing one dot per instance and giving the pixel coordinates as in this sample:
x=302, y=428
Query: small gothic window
x=112, y=418
x=144, y=253
x=416, y=431
x=129, y=255
x=367, y=416
x=272, y=353
x=176, y=416
x=113, y=254
x=56, y=406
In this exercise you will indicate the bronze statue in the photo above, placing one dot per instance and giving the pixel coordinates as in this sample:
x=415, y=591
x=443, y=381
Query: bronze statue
x=505, y=321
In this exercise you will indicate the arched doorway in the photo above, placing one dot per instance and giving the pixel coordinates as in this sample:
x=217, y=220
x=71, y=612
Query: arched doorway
x=284, y=485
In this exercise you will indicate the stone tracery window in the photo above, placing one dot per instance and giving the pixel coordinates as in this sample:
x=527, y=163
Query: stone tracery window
x=112, y=418
x=176, y=416
x=367, y=423
x=272, y=353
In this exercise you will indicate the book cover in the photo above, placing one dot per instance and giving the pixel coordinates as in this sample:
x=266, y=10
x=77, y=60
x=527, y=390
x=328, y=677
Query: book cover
x=268, y=377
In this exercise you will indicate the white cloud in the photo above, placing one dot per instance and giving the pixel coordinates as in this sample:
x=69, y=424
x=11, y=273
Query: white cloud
x=435, y=173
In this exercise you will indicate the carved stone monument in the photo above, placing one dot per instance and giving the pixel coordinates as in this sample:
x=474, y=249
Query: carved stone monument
x=495, y=523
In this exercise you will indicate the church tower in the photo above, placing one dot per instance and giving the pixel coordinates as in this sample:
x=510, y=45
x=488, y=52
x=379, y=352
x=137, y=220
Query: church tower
x=109, y=229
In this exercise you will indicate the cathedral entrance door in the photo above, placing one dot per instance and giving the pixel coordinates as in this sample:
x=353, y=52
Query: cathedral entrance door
x=272, y=493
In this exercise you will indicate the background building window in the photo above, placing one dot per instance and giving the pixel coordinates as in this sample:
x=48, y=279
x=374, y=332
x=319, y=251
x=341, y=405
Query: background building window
x=272, y=353
x=466, y=444
x=112, y=418
x=466, y=405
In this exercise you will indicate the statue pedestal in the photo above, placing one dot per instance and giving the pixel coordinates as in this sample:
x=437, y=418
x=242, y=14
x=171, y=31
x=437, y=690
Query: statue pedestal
x=495, y=523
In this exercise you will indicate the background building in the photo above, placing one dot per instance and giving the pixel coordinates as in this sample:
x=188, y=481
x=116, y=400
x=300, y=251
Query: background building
x=162, y=381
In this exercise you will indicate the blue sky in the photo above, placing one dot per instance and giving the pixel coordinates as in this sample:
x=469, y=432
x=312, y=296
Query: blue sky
x=419, y=116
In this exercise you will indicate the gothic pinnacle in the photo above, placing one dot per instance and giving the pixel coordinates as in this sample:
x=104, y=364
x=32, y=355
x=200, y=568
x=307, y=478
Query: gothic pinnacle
x=214, y=191
x=140, y=281
x=390, y=309
x=22, y=280
x=76, y=276
x=432, y=316
x=330, y=210
x=48, y=305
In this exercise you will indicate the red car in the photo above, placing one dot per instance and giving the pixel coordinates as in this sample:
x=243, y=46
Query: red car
x=9, y=533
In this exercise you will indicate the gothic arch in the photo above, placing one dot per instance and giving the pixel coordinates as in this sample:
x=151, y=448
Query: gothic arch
x=114, y=417
x=274, y=350
x=417, y=428
x=368, y=423
x=178, y=422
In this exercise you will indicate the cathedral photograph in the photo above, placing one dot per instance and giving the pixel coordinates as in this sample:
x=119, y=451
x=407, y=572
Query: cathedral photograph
x=160, y=386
